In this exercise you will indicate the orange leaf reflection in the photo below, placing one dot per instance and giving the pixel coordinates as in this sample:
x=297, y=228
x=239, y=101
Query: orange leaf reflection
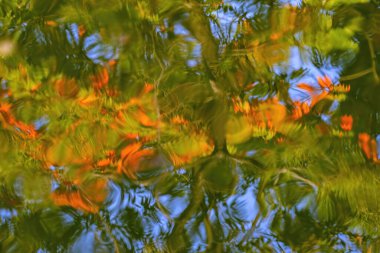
x=325, y=82
x=81, y=30
x=66, y=87
x=101, y=79
x=300, y=109
x=104, y=162
x=144, y=119
x=8, y=120
x=369, y=147
x=179, y=120
x=131, y=156
x=81, y=194
x=346, y=122
x=306, y=87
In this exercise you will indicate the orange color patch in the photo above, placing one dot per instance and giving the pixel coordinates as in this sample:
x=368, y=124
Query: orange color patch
x=35, y=87
x=5, y=107
x=80, y=194
x=51, y=23
x=275, y=36
x=131, y=157
x=346, y=122
x=132, y=136
x=130, y=149
x=368, y=146
x=315, y=99
x=144, y=119
x=104, y=162
x=306, y=87
x=300, y=109
x=81, y=30
x=101, y=79
x=89, y=100
x=179, y=120
x=66, y=87
x=25, y=131
x=325, y=82
x=112, y=62
x=147, y=88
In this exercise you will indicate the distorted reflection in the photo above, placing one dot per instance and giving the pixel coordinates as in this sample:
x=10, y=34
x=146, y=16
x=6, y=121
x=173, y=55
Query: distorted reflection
x=189, y=126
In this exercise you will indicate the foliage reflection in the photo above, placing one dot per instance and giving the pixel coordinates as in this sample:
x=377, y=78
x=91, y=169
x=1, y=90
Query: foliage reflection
x=189, y=126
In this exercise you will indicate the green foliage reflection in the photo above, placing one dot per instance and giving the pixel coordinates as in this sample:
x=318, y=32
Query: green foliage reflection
x=189, y=126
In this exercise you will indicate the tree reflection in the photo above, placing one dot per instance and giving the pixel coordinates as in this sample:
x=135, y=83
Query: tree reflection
x=189, y=126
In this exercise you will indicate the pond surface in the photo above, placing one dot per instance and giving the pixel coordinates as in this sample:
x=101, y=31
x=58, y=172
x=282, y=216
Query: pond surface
x=189, y=126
